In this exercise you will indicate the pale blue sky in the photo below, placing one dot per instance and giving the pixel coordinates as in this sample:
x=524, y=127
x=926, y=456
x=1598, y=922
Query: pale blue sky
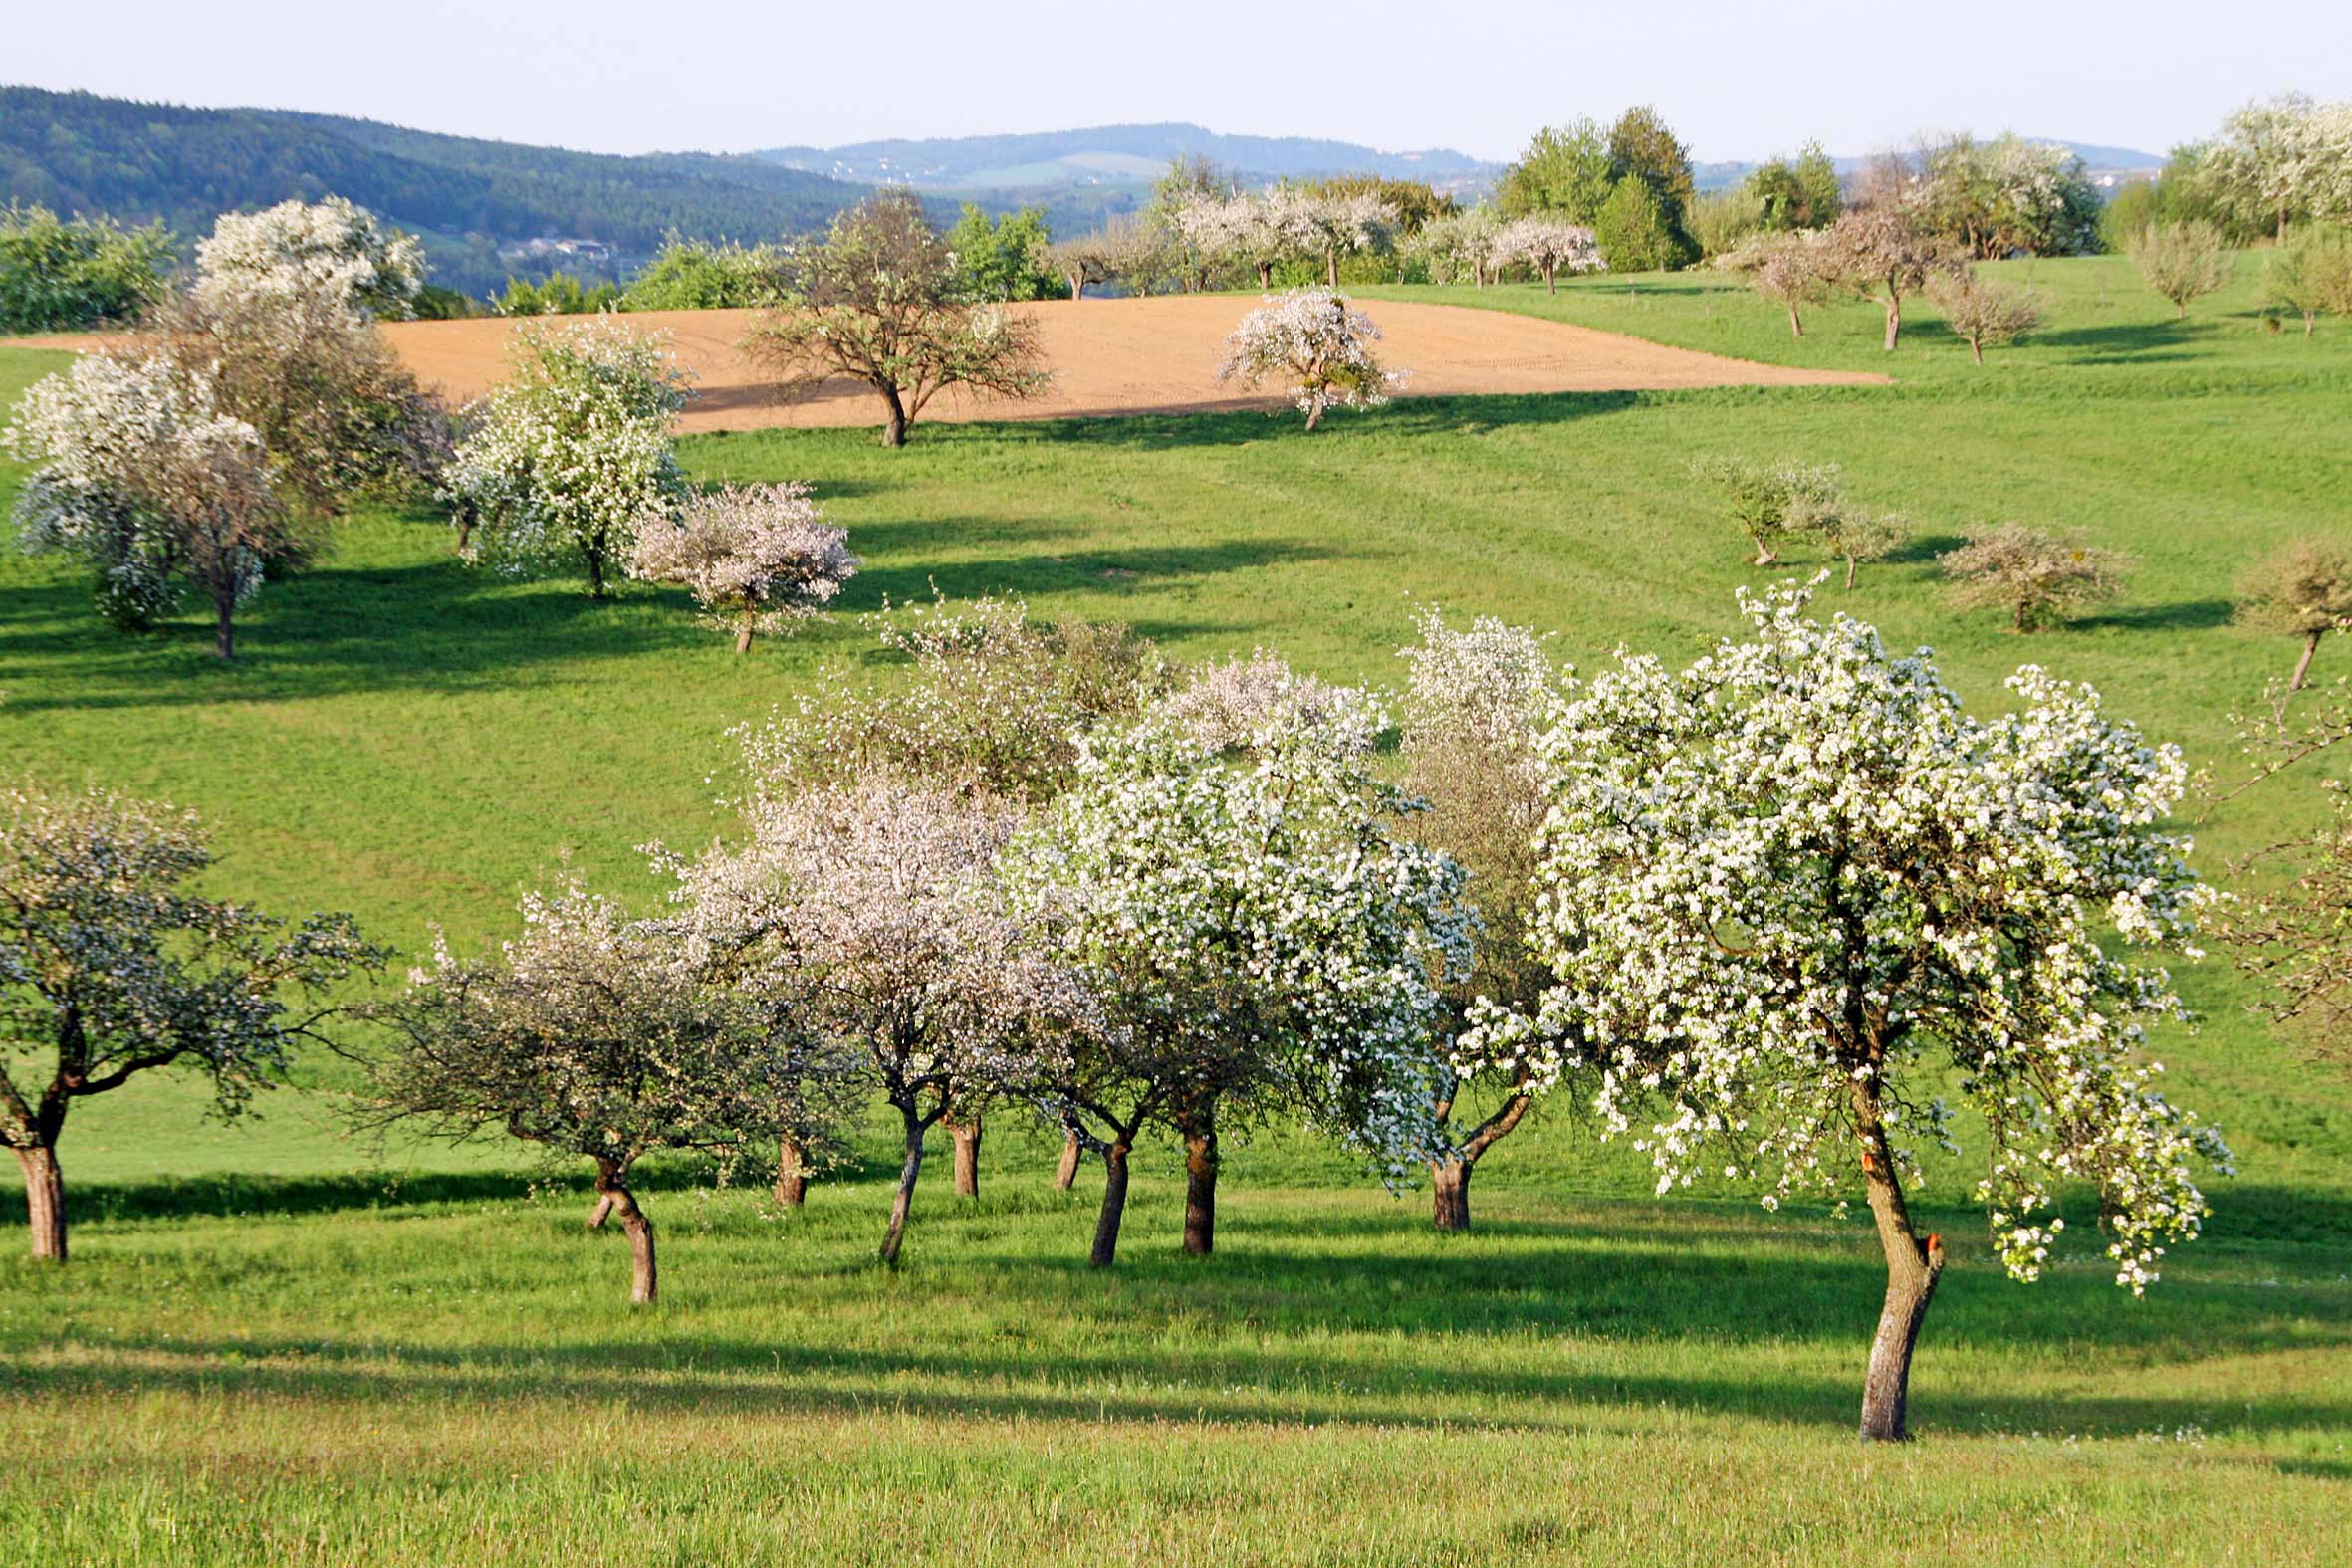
x=1736, y=78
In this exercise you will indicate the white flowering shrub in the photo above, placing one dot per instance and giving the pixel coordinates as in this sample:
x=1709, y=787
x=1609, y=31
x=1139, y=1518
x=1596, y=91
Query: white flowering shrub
x=1259, y=938
x=755, y=557
x=1790, y=891
x=327, y=248
x=569, y=457
x=140, y=475
x=1317, y=347
x=1260, y=703
x=1548, y=246
x=2282, y=160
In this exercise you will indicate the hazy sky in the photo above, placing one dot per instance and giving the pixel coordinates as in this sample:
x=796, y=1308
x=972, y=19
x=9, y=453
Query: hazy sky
x=1737, y=78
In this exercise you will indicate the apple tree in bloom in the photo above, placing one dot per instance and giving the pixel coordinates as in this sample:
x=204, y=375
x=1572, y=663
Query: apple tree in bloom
x=1474, y=709
x=572, y=454
x=1260, y=941
x=755, y=557
x=324, y=247
x=113, y=965
x=1455, y=246
x=1548, y=246
x=1884, y=252
x=876, y=897
x=602, y=1037
x=1771, y=501
x=142, y=475
x=1793, y=269
x=1317, y=347
x=1792, y=891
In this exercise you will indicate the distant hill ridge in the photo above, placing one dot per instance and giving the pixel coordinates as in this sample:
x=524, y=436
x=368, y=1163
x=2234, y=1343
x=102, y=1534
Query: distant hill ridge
x=1108, y=154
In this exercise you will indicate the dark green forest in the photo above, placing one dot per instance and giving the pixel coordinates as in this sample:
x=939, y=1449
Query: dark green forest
x=80, y=152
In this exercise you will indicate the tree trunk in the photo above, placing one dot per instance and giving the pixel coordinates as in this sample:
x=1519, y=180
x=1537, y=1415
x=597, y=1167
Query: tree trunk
x=742, y=638
x=1766, y=556
x=1114, y=1205
x=1977, y=348
x=1314, y=417
x=1850, y=563
x=1448, y=1184
x=1265, y=274
x=1077, y=286
x=1894, y=321
x=902, y=1205
x=595, y=565
x=2180, y=309
x=964, y=1137
x=2303, y=664
x=1797, y=326
x=1331, y=268
x=1551, y=280
x=611, y=1182
x=894, y=427
x=598, y=1214
x=792, y=1171
x=224, y=630
x=1200, y=1191
x=1066, y=1173
x=44, y=1201
x=1913, y=1267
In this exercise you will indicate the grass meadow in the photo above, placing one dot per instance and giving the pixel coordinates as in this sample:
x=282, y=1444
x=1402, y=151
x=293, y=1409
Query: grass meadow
x=277, y=1344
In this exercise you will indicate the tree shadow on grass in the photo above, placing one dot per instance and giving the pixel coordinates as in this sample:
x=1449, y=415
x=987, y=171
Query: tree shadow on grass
x=442, y=626
x=2183, y=615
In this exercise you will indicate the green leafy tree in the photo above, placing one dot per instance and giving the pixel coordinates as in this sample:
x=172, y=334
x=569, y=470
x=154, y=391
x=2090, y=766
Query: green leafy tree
x=687, y=275
x=1803, y=193
x=57, y=273
x=1564, y=169
x=1642, y=146
x=1636, y=232
x=1004, y=259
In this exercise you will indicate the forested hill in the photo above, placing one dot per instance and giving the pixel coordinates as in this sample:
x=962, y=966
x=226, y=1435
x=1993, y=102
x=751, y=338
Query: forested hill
x=78, y=151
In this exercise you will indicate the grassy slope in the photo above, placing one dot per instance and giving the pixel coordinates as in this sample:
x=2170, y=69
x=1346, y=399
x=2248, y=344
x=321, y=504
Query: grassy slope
x=416, y=742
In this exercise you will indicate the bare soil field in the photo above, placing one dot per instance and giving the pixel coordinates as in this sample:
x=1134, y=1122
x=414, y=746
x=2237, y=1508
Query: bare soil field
x=1125, y=356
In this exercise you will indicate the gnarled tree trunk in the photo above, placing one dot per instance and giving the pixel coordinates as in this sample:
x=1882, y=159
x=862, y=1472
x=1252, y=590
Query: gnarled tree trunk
x=613, y=1186
x=44, y=1201
x=1914, y=1265
x=894, y=425
x=1797, y=326
x=602, y=1212
x=1448, y=1180
x=903, y=1203
x=1199, y=1188
x=964, y=1137
x=224, y=630
x=1067, y=1172
x=1115, y=1204
x=1894, y=322
x=792, y=1171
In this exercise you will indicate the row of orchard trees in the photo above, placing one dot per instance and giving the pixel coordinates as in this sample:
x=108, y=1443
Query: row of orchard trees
x=1757, y=913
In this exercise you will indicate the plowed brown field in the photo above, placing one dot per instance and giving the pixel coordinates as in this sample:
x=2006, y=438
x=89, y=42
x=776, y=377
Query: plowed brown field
x=1129, y=357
